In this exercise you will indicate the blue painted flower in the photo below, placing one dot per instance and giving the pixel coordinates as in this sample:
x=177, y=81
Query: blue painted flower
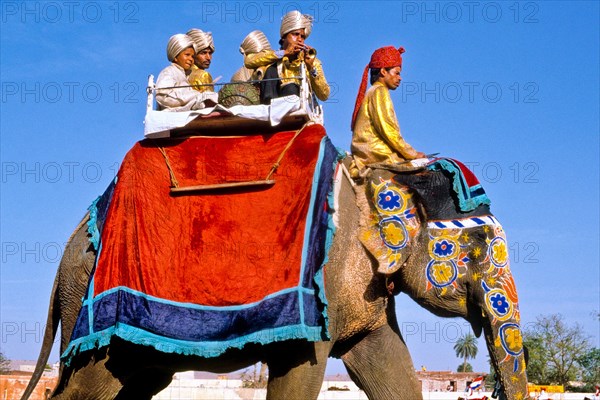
x=499, y=303
x=443, y=248
x=388, y=200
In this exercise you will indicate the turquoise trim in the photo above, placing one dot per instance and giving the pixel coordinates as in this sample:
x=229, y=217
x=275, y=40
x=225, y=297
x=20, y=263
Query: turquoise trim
x=202, y=349
x=319, y=277
x=92, y=226
x=308, y=226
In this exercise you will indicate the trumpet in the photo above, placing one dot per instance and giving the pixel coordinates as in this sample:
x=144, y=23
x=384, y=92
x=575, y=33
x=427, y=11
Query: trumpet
x=310, y=52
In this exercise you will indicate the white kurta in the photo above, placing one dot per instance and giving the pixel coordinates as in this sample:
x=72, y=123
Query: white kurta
x=179, y=99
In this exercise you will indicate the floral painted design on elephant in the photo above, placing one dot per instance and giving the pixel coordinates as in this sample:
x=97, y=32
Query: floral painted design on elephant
x=448, y=259
x=479, y=250
x=460, y=252
x=393, y=223
x=501, y=298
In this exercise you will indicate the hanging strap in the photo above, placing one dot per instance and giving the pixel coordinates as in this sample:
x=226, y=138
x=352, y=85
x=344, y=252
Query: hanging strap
x=175, y=188
x=287, y=147
x=174, y=182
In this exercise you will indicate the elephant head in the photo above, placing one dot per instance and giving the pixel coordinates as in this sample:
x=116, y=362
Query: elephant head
x=457, y=266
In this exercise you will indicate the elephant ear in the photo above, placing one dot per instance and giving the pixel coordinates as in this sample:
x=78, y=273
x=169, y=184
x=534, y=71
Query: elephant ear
x=389, y=221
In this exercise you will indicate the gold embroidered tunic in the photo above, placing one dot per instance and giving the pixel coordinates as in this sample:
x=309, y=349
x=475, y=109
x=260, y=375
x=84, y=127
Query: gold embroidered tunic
x=288, y=69
x=201, y=77
x=376, y=137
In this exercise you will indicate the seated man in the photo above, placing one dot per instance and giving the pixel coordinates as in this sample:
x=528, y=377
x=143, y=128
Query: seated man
x=173, y=92
x=253, y=43
x=376, y=136
x=286, y=62
x=200, y=78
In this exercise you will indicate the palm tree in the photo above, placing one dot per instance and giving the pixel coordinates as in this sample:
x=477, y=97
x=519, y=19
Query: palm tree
x=466, y=348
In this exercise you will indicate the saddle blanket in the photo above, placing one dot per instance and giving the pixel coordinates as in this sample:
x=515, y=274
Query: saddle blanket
x=205, y=272
x=468, y=190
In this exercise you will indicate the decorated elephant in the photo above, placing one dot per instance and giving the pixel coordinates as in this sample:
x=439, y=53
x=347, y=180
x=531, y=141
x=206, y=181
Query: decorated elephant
x=450, y=266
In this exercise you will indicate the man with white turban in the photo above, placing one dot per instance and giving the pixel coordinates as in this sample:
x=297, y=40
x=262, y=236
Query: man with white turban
x=204, y=45
x=176, y=94
x=286, y=62
x=253, y=43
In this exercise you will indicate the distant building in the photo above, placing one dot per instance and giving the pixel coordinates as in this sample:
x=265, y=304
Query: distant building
x=206, y=385
x=447, y=381
x=13, y=384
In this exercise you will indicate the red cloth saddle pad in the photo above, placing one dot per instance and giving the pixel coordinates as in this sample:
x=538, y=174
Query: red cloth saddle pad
x=200, y=273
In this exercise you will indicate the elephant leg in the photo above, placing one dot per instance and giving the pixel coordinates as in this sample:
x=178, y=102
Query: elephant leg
x=145, y=384
x=380, y=364
x=296, y=371
x=91, y=382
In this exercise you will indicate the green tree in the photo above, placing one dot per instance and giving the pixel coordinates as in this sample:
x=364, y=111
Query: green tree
x=464, y=368
x=4, y=364
x=555, y=350
x=590, y=364
x=538, y=369
x=466, y=348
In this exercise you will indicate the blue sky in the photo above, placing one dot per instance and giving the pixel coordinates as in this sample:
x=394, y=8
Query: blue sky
x=509, y=88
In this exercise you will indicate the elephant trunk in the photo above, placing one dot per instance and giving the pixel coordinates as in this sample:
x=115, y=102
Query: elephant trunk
x=505, y=346
x=495, y=295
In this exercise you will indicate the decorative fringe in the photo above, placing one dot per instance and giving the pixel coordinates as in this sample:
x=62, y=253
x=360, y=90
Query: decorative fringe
x=138, y=336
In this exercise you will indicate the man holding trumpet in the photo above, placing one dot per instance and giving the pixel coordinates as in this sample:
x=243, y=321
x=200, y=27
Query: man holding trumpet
x=284, y=64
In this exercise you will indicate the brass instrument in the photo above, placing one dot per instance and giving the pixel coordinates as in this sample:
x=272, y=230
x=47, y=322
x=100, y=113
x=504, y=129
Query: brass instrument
x=311, y=53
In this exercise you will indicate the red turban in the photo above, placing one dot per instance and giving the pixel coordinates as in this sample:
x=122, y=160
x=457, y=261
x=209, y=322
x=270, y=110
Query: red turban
x=384, y=57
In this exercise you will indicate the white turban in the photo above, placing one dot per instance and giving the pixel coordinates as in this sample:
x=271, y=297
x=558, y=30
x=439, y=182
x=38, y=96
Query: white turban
x=202, y=40
x=253, y=43
x=177, y=44
x=295, y=20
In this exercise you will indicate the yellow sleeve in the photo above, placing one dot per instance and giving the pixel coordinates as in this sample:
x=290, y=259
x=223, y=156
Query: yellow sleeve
x=385, y=123
x=200, y=80
x=260, y=59
x=318, y=82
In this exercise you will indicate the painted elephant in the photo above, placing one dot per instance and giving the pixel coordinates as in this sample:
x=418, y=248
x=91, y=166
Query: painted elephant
x=451, y=268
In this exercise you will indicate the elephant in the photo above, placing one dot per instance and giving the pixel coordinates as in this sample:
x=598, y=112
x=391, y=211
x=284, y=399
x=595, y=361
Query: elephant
x=451, y=271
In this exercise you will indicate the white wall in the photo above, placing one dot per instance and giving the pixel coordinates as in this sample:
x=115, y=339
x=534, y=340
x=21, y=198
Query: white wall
x=230, y=389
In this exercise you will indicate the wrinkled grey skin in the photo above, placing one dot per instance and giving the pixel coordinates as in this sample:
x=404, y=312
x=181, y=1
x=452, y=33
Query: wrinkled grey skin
x=362, y=323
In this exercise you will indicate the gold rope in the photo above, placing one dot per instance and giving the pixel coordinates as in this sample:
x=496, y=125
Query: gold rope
x=174, y=182
x=287, y=147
